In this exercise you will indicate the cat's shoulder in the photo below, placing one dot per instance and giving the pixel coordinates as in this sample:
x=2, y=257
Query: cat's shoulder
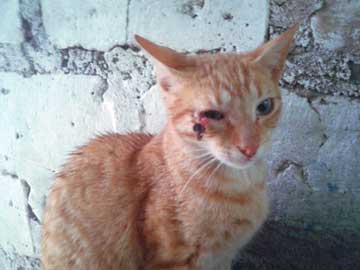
x=110, y=148
x=130, y=141
x=113, y=143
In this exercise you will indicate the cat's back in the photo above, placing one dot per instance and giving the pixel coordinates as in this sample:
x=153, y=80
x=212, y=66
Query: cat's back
x=93, y=204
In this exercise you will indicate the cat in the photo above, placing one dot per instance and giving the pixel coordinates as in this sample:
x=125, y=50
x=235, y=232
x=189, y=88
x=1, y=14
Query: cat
x=188, y=198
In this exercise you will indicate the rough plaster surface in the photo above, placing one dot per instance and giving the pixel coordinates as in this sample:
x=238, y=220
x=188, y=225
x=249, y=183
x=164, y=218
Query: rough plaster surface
x=70, y=70
x=9, y=23
x=311, y=174
x=205, y=24
x=326, y=55
x=80, y=20
x=43, y=118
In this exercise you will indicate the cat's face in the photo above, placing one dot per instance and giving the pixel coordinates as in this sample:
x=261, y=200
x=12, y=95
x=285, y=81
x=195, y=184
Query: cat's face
x=227, y=105
x=237, y=103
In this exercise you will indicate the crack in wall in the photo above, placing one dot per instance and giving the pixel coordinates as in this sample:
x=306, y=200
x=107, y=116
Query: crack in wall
x=101, y=90
x=13, y=175
x=31, y=23
x=77, y=60
x=27, y=190
x=31, y=216
x=287, y=164
x=318, y=8
x=127, y=20
x=35, y=46
x=142, y=117
x=324, y=137
x=128, y=47
x=32, y=70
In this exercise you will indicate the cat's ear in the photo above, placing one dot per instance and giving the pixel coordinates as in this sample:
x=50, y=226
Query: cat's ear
x=272, y=55
x=169, y=64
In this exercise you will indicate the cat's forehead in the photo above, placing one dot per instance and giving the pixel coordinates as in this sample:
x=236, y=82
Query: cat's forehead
x=227, y=71
x=228, y=83
x=220, y=62
x=226, y=77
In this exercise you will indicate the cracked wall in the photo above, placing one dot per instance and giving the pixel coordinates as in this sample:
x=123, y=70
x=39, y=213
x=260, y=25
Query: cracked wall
x=314, y=161
x=70, y=70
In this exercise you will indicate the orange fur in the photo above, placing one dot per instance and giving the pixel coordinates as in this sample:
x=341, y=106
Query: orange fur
x=172, y=201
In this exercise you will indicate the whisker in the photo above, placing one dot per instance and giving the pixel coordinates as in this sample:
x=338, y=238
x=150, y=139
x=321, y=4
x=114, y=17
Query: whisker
x=193, y=151
x=193, y=158
x=212, y=174
x=198, y=150
x=203, y=166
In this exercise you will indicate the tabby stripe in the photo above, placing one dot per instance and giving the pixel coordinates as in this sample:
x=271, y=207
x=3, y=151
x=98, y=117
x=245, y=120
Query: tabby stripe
x=221, y=196
x=246, y=76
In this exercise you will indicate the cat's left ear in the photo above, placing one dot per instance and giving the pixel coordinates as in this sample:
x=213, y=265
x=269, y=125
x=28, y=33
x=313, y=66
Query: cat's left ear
x=169, y=64
x=272, y=55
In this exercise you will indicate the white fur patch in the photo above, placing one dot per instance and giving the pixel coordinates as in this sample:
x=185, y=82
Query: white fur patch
x=225, y=97
x=213, y=99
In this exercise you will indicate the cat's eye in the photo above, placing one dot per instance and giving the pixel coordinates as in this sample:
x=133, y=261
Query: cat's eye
x=212, y=114
x=265, y=107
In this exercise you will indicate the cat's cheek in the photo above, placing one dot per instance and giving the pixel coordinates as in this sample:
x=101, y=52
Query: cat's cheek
x=214, y=147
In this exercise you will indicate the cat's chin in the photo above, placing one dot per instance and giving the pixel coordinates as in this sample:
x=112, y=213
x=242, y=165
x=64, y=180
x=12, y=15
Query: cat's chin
x=239, y=164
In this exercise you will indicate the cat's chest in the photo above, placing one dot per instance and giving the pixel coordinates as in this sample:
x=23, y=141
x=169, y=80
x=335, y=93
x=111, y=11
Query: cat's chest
x=221, y=229
x=229, y=224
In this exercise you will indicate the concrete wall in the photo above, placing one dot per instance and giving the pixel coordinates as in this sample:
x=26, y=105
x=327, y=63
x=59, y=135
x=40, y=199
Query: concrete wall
x=70, y=69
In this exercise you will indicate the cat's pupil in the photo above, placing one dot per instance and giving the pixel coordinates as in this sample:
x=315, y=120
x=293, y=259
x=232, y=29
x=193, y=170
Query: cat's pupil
x=265, y=107
x=212, y=114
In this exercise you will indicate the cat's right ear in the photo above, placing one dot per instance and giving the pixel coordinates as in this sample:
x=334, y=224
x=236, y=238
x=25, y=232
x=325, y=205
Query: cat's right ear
x=169, y=64
x=272, y=55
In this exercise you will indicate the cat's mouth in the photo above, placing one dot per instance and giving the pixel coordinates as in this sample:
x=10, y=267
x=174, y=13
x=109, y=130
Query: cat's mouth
x=235, y=159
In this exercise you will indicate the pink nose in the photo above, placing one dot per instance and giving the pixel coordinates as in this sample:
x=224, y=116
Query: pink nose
x=249, y=152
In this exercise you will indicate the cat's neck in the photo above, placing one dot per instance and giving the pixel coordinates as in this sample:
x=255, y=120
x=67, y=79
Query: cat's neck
x=189, y=170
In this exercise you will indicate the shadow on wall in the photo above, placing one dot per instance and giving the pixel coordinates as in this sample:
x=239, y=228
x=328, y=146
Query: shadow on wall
x=281, y=247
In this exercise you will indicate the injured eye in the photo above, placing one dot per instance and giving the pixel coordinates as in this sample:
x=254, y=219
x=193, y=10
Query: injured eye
x=265, y=107
x=212, y=114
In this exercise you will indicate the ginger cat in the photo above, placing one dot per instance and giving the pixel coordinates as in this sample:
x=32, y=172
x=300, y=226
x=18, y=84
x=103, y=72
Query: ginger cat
x=188, y=198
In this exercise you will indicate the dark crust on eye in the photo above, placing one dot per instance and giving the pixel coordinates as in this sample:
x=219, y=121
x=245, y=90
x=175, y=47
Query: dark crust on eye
x=212, y=114
x=199, y=130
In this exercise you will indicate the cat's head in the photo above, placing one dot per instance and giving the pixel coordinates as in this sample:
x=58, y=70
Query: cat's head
x=226, y=104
